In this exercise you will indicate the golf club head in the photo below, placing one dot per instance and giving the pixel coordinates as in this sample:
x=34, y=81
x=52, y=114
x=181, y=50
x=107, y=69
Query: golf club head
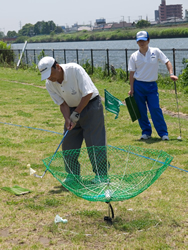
x=179, y=137
x=38, y=176
x=32, y=171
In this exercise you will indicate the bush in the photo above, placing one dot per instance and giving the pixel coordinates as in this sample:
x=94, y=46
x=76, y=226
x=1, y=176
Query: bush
x=183, y=78
x=88, y=67
x=165, y=82
x=21, y=39
x=41, y=55
x=6, y=54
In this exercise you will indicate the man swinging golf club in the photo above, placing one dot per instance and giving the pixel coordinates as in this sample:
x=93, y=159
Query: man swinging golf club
x=143, y=67
x=72, y=89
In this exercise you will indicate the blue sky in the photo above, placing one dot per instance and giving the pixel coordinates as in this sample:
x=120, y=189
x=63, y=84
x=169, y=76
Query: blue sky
x=14, y=14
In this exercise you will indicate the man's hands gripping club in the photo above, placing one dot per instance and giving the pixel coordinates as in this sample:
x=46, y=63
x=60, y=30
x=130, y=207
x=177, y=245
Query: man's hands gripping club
x=71, y=120
x=75, y=116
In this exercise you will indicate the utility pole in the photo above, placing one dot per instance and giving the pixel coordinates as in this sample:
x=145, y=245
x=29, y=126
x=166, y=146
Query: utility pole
x=123, y=21
x=128, y=19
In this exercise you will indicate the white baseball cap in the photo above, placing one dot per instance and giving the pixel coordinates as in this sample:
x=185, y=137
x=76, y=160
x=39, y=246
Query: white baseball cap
x=45, y=66
x=142, y=35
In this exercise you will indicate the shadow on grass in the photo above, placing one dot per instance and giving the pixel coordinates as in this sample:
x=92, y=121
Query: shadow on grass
x=149, y=141
x=156, y=140
x=141, y=222
x=58, y=190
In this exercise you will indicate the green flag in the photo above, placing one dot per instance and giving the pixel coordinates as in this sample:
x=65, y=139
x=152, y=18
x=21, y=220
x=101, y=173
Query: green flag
x=112, y=104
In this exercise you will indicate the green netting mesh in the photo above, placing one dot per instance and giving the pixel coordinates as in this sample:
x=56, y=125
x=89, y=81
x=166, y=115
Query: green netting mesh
x=130, y=170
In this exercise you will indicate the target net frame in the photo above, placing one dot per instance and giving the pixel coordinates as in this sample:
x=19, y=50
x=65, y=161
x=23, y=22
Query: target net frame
x=107, y=173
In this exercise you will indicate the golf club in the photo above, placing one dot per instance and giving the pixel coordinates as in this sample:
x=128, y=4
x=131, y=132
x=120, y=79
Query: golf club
x=41, y=176
x=179, y=137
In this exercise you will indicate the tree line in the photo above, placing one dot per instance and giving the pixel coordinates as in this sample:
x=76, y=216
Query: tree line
x=40, y=28
x=47, y=28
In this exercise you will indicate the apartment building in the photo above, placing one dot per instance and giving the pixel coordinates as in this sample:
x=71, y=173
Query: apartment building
x=167, y=12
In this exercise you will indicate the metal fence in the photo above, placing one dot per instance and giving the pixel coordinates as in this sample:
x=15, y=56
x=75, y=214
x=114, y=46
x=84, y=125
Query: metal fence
x=101, y=57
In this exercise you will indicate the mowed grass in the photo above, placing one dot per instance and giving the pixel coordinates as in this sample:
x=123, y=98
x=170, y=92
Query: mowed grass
x=155, y=219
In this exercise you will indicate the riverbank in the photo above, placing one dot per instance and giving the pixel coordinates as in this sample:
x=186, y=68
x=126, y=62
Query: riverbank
x=109, y=35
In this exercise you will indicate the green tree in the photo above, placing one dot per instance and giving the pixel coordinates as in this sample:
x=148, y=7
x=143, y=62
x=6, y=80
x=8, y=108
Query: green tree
x=12, y=34
x=1, y=34
x=58, y=30
x=142, y=23
x=27, y=30
x=38, y=28
x=51, y=26
x=44, y=28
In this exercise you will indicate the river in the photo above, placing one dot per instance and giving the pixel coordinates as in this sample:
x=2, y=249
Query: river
x=165, y=43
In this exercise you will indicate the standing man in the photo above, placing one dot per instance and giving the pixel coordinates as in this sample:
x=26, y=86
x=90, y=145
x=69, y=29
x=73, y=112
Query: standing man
x=143, y=68
x=72, y=89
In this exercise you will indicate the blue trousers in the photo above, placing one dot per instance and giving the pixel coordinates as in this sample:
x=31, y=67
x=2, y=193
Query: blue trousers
x=147, y=93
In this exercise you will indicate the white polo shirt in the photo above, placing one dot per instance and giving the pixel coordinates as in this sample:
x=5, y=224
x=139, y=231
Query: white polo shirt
x=76, y=84
x=146, y=67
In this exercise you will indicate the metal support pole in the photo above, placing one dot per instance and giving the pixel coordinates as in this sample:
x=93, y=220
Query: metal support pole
x=108, y=218
x=26, y=57
x=19, y=53
x=174, y=60
x=92, y=60
x=107, y=55
x=34, y=56
x=77, y=56
x=126, y=59
x=65, y=55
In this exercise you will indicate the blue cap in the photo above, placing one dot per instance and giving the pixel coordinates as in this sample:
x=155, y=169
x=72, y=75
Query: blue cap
x=142, y=35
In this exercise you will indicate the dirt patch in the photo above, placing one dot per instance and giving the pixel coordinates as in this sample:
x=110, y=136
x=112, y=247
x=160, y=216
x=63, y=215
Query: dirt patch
x=44, y=240
x=4, y=232
x=175, y=114
x=13, y=242
x=31, y=84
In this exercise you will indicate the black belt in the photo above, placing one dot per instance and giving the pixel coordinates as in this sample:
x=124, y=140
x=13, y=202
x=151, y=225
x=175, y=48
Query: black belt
x=92, y=100
x=95, y=98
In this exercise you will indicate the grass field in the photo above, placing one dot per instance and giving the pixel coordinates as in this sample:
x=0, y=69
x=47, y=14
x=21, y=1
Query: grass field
x=155, y=219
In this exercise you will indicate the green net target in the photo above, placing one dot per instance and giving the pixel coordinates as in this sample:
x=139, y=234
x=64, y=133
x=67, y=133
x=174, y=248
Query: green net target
x=108, y=173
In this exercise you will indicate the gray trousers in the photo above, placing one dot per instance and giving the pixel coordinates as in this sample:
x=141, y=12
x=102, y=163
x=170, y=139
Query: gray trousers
x=90, y=128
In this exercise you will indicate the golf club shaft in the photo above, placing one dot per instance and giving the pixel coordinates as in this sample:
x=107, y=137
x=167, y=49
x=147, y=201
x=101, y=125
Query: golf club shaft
x=177, y=106
x=41, y=176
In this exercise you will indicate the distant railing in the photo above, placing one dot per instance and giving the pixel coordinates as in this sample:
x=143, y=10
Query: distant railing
x=101, y=57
